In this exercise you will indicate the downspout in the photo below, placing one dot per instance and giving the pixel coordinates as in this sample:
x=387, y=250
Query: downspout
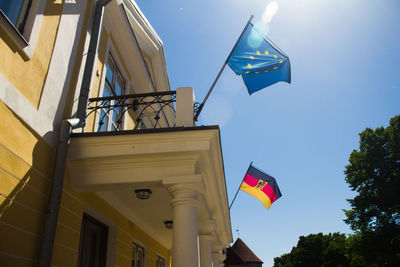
x=67, y=125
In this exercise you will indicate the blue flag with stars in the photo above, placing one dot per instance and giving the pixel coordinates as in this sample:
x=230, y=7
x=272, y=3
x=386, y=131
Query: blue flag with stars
x=258, y=62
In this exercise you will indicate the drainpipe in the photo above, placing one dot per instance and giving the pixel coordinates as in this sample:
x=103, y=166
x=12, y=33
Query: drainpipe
x=50, y=226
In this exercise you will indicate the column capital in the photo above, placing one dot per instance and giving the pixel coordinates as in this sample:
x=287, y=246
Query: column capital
x=217, y=247
x=192, y=189
x=185, y=202
x=205, y=237
x=185, y=194
x=207, y=227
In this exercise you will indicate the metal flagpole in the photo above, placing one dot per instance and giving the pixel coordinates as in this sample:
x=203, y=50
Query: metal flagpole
x=220, y=72
x=239, y=188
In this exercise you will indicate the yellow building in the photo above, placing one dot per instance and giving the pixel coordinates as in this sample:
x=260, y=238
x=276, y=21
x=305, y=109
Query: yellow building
x=101, y=163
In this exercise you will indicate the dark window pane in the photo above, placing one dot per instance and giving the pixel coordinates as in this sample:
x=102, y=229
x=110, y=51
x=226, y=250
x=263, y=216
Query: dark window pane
x=117, y=118
x=137, y=256
x=11, y=9
x=160, y=261
x=106, y=91
x=105, y=112
x=93, y=243
x=118, y=87
x=114, y=86
x=103, y=121
x=109, y=73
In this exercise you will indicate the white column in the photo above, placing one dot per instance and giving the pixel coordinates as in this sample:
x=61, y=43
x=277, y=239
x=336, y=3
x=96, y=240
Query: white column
x=222, y=257
x=185, y=251
x=206, y=229
x=216, y=253
x=215, y=259
x=205, y=250
x=217, y=256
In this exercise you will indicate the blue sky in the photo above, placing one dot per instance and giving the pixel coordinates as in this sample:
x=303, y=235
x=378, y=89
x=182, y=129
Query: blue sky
x=345, y=77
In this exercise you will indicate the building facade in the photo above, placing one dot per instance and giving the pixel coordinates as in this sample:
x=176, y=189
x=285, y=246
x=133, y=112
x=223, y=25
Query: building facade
x=101, y=163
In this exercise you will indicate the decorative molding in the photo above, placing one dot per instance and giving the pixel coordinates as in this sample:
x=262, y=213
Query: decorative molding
x=23, y=108
x=45, y=120
x=207, y=227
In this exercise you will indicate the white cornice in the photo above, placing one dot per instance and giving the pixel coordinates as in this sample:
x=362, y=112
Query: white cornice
x=150, y=42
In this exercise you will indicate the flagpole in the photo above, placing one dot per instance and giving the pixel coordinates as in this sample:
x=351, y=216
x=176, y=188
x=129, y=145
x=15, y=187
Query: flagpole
x=220, y=72
x=237, y=192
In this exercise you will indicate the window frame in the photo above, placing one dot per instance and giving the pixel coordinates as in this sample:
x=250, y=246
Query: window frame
x=32, y=19
x=160, y=261
x=22, y=14
x=110, y=87
x=135, y=260
x=103, y=230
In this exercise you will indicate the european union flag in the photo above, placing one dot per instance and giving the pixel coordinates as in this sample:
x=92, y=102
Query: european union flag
x=258, y=62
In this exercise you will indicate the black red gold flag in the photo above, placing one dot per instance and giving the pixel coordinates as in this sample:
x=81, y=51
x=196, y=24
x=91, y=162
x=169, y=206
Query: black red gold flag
x=261, y=186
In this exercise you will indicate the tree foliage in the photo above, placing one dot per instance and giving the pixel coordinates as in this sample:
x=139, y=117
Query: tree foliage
x=374, y=173
x=319, y=250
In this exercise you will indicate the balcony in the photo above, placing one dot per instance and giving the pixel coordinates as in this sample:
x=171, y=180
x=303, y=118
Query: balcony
x=154, y=144
x=141, y=111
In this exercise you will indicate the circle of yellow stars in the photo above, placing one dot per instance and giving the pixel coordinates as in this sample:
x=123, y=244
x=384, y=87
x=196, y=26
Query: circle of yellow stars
x=259, y=53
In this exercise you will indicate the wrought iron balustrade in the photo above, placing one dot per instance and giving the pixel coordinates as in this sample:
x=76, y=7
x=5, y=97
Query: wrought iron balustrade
x=149, y=110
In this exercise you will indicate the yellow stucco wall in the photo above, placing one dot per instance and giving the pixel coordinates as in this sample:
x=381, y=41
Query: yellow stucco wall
x=25, y=169
x=12, y=63
x=73, y=205
x=26, y=164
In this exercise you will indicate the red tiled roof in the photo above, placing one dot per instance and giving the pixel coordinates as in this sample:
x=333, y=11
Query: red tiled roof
x=244, y=252
x=232, y=258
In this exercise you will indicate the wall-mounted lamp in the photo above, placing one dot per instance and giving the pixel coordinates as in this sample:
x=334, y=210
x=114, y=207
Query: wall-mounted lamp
x=168, y=224
x=143, y=193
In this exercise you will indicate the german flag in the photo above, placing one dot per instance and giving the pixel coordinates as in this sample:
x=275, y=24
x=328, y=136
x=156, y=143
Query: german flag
x=261, y=186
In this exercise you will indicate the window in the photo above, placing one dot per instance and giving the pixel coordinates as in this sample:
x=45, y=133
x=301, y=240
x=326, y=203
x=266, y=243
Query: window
x=160, y=261
x=114, y=85
x=17, y=12
x=137, y=256
x=21, y=20
x=93, y=243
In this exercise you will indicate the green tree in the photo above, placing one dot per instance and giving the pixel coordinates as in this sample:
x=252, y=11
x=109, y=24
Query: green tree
x=353, y=254
x=374, y=173
x=317, y=250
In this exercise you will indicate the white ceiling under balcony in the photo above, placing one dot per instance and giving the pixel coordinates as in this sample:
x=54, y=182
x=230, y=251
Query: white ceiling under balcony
x=115, y=164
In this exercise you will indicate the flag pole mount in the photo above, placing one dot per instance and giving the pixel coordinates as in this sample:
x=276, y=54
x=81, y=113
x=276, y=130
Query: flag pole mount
x=220, y=72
